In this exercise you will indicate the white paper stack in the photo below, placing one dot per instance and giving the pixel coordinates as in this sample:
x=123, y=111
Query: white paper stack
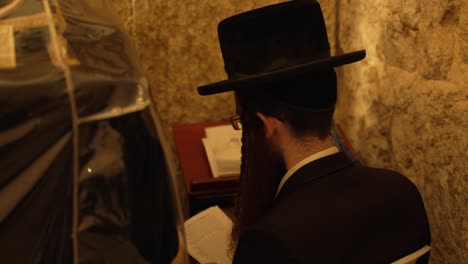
x=223, y=149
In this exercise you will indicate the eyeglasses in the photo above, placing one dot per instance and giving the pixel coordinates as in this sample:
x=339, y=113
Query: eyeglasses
x=236, y=122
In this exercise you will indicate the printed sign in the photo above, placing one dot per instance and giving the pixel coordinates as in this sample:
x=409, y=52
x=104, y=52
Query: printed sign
x=7, y=47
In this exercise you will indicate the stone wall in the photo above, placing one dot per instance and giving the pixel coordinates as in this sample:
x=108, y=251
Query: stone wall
x=404, y=107
x=178, y=46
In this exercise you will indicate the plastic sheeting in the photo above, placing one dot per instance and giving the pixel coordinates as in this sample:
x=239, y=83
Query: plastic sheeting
x=86, y=175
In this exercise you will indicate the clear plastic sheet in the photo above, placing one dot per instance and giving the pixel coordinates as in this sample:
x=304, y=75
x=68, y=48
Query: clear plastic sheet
x=86, y=171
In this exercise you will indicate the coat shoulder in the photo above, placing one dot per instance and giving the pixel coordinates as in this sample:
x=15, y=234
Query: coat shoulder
x=352, y=209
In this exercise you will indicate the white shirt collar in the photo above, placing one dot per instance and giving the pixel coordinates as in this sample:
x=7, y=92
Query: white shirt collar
x=316, y=156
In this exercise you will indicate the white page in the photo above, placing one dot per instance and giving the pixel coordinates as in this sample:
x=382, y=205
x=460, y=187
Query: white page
x=208, y=236
x=211, y=157
x=220, y=132
x=223, y=149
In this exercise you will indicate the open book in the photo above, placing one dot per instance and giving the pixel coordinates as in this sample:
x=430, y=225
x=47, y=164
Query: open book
x=208, y=236
x=223, y=150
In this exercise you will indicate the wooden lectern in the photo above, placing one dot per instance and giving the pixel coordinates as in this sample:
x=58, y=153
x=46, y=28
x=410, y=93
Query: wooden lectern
x=203, y=190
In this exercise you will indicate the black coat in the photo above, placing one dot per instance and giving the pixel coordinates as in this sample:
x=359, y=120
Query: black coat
x=335, y=211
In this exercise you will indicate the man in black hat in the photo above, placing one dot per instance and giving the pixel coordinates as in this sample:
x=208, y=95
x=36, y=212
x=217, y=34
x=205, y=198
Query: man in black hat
x=302, y=200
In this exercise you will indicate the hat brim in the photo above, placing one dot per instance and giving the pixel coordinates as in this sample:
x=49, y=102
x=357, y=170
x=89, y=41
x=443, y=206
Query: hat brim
x=252, y=80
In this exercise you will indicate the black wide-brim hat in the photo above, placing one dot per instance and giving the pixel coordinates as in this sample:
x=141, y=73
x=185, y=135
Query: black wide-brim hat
x=273, y=43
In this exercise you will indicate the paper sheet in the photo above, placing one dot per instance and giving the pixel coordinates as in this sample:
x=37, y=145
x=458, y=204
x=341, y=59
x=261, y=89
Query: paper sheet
x=7, y=47
x=223, y=148
x=208, y=236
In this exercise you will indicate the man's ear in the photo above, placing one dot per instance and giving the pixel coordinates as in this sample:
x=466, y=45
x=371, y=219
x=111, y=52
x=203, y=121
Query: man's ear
x=271, y=124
